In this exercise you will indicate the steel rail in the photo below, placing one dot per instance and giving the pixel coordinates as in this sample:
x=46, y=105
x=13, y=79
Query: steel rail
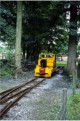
x=13, y=102
x=4, y=100
x=7, y=92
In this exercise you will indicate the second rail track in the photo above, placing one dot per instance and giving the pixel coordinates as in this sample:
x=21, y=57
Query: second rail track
x=10, y=97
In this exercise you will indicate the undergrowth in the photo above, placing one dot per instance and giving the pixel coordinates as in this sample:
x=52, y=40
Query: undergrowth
x=6, y=71
x=73, y=107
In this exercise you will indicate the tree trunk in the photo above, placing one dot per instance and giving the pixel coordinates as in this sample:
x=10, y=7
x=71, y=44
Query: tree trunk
x=72, y=46
x=18, y=36
x=78, y=69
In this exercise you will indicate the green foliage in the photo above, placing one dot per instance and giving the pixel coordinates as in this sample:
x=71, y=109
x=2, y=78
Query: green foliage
x=1, y=49
x=6, y=71
x=39, y=22
x=44, y=51
x=78, y=83
x=42, y=24
x=8, y=32
x=6, y=22
x=74, y=107
x=10, y=55
x=5, y=11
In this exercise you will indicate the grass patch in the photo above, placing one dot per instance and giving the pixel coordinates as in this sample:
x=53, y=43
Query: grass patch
x=61, y=63
x=73, y=107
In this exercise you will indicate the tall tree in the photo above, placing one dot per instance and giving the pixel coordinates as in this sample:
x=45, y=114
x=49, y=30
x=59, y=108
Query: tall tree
x=18, y=36
x=72, y=45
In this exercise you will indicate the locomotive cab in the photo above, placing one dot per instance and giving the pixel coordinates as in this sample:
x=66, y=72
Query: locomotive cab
x=46, y=65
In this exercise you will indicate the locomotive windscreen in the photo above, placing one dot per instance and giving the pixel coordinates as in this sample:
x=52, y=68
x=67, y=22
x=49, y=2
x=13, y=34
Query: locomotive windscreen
x=43, y=63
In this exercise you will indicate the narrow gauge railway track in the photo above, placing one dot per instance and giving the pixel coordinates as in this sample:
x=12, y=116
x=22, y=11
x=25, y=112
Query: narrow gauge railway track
x=10, y=97
x=9, y=91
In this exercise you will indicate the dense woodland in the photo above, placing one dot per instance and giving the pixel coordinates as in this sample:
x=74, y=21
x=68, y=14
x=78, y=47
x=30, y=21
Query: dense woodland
x=32, y=27
x=29, y=28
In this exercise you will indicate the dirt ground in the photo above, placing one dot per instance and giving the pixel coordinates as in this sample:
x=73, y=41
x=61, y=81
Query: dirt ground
x=42, y=103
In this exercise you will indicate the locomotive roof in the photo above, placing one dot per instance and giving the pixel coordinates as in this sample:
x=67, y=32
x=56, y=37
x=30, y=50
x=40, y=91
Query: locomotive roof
x=46, y=55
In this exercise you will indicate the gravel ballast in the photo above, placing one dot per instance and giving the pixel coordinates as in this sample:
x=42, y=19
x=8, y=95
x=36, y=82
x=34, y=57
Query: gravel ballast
x=42, y=103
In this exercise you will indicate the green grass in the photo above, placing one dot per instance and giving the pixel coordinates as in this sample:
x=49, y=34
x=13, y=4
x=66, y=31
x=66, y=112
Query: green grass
x=61, y=63
x=73, y=107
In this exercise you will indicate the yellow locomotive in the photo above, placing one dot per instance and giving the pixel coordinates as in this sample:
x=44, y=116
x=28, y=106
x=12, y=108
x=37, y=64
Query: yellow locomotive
x=46, y=65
